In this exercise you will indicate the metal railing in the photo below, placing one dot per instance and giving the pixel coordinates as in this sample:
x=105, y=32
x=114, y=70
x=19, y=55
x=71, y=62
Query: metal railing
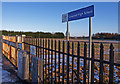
x=67, y=62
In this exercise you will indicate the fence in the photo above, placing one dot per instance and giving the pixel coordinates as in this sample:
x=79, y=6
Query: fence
x=59, y=61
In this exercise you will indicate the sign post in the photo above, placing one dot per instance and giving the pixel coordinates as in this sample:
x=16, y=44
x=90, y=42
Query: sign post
x=90, y=40
x=87, y=12
x=67, y=31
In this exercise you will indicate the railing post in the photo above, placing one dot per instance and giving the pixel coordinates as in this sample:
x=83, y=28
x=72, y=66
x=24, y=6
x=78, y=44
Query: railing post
x=43, y=61
x=72, y=62
x=40, y=64
x=67, y=62
x=55, y=63
x=1, y=39
x=111, y=66
x=85, y=55
x=35, y=40
x=10, y=52
x=59, y=62
x=78, y=63
x=41, y=49
x=16, y=50
x=101, y=64
x=9, y=49
x=48, y=61
x=1, y=52
x=29, y=59
x=2, y=44
x=22, y=39
x=38, y=47
x=63, y=63
x=92, y=64
x=51, y=62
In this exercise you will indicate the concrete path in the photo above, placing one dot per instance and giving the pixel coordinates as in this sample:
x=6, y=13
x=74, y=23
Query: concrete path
x=9, y=74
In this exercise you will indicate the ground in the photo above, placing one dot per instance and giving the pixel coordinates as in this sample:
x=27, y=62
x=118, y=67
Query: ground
x=9, y=74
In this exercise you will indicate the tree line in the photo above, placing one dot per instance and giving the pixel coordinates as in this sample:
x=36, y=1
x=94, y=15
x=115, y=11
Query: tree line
x=35, y=34
x=112, y=36
x=102, y=36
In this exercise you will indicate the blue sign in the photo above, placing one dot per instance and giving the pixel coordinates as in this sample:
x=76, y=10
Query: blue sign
x=79, y=14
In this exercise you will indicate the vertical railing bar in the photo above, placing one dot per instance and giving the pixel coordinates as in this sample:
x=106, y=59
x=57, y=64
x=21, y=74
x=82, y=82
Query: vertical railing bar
x=92, y=64
x=111, y=66
x=67, y=62
x=78, y=54
x=48, y=60
x=30, y=60
x=40, y=48
x=51, y=61
x=31, y=41
x=10, y=49
x=36, y=54
x=63, y=63
x=101, y=64
x=72, y=62
x=59, y=62
x=16, y=50
x=39, y=60
x=45, y=59
x=85, y=64
x=36, y=45
x=55, y=61
x=34, y=41
x=43, y=62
